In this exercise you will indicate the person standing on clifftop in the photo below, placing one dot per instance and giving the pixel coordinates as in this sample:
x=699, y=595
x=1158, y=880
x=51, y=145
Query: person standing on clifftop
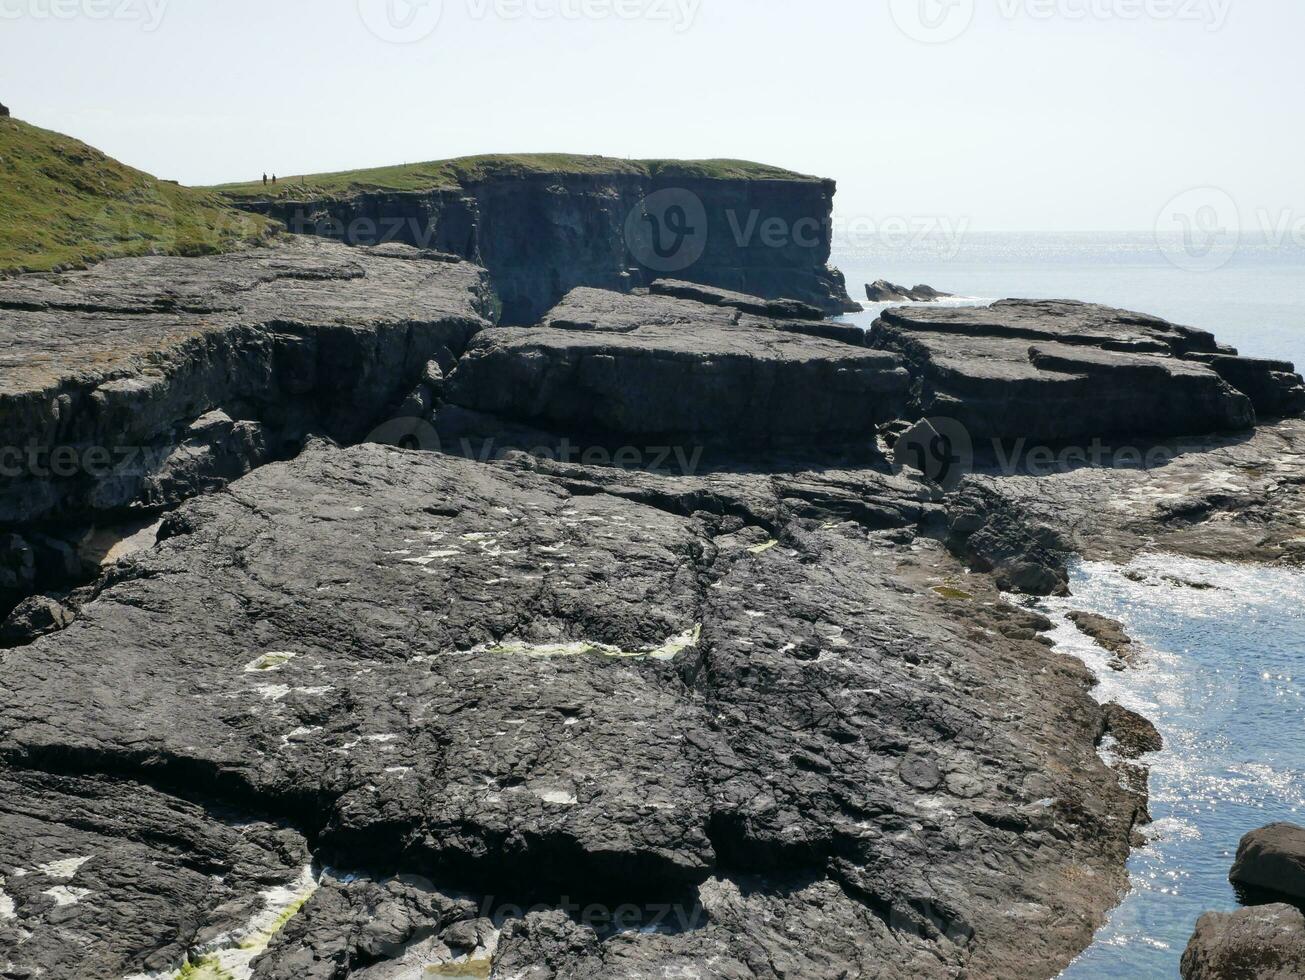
x=264, y=180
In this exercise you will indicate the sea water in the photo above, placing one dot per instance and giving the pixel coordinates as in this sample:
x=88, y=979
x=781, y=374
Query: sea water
x=1222, y=674
x=1255, y=302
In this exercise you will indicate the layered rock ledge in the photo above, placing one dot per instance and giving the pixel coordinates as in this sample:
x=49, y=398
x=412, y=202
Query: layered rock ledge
x=1059, y=371
x=140, y=382
x=661, y=367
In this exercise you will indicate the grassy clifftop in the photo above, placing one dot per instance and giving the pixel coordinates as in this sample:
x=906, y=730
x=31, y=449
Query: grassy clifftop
x=467, y=170
x=63, y=203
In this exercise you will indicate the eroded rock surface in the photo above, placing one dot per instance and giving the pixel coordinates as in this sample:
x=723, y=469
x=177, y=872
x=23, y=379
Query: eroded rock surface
x=101, y=877
x=1236, y=498
x=1057, y=371
x=1262, y=943
x=648, y=366
x=141, y=382
x=764, y=700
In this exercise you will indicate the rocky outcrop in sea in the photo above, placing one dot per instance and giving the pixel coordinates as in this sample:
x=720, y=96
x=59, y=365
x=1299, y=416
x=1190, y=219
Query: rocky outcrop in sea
x=883, y=291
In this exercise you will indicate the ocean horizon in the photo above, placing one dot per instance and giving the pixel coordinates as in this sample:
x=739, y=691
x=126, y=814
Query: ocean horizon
x=1254, y=300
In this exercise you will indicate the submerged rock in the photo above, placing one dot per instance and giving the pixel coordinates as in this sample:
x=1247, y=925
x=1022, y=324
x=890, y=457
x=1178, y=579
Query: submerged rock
x=1262, y=943
x=1272, y=859
x=1109, y=633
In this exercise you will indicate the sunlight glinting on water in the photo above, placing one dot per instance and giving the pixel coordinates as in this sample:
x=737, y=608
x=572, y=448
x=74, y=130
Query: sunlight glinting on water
x=1220, y=675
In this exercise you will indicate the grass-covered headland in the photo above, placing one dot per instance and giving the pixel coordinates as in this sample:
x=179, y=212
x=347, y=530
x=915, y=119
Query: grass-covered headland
x=65, y=204
x=470, y=170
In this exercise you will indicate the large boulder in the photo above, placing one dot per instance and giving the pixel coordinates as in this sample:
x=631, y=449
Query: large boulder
x=667, y=368
x=1272, y=859
x=1058, y=371
x=1262, y=943
x=34, y=617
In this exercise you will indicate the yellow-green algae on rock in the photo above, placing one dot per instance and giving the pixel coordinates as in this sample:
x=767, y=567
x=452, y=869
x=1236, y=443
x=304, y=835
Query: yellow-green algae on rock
x=580, y=648
x=231, y=956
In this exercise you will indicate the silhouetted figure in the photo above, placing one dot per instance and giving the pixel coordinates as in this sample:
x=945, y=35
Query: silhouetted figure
x=264, y=180
x=274, y=178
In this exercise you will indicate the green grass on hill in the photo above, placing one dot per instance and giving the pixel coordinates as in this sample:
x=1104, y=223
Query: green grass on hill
x=467, y=170
x=66, y=204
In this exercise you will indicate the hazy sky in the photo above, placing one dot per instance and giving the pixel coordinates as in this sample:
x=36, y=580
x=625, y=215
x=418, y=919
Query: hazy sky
x=1010, y=114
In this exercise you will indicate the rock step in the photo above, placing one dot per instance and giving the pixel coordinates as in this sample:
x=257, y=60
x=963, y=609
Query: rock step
x=664, y=366
x=1061, y=371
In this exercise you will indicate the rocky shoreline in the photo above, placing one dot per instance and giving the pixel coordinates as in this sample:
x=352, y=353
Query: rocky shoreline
x=406, y=620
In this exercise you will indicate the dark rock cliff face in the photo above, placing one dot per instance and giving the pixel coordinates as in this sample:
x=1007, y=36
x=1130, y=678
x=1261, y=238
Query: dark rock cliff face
x=136, y=384
x=541, y=235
